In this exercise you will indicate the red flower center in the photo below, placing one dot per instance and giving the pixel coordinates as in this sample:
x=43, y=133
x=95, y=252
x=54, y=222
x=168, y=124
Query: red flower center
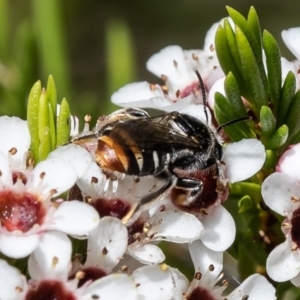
x=20, y=211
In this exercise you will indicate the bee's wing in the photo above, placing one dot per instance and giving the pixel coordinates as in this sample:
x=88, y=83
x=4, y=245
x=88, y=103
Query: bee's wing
x=148, y=134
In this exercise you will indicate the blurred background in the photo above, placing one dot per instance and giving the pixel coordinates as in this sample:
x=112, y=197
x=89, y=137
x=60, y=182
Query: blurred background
x=94, y=47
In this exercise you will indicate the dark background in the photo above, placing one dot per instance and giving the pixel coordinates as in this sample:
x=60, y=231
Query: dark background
x=151, y=25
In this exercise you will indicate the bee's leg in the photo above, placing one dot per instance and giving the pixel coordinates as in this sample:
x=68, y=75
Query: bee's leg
x=165, y=176
x=192, y=188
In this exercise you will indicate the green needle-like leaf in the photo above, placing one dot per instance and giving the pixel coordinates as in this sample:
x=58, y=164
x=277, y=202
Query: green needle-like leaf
x=234, y=96
x=251, y=72
x=44, y=127
x=63, y=123
x=267, y=121
x=45, y=144
x=287, y=95
x=224, y=112
x=243, y=24
x=52, y=127
x=271, y=160
x=224, y=55
x=32, y=118
x=52, y=94
x=253, y=23
x=273, y=60
x=278, y=139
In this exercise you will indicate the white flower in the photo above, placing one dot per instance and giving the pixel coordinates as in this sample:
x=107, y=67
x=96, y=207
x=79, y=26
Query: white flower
x=291, y=39
x=281, y=193
x=15, y=141
x=26, y=209
x=208, y=266
x=49, y=268
x=155, y=282
x=176, y=67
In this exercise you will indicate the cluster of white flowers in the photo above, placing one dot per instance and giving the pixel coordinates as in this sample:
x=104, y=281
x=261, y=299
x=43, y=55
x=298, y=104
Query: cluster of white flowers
x=123, y=260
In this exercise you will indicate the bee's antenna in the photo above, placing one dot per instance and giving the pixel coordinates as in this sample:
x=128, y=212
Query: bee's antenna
x=233, y=122
x=201, y=84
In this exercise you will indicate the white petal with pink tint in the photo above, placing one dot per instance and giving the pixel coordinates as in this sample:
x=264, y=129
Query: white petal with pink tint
x=110, y=235
x=219, y=229
x=77, y=156
x=14, y=134
x=111, y=287
x=288, y=160
x=13, y=284
x=154, y=282
x=283, y=263
x=17, y=245
x=243, y=159
x=51, y=259
x=175, y=226
x=278, y=190
x=58, y=175
x=146, y=254
x=75, y=218
x=255, y=286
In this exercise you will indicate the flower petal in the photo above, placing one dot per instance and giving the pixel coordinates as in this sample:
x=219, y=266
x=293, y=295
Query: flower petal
x=278, y=190
x=18, y=246
x=154, y=282
x=14, y=133
x=6, y=175
x=13, y=284
x=291, y=39
x=255, y=286
x=110, y=235
x=283, y=263
x=77, y=156
x=92, y=182
x=75, y=217
x=219, y=229
x=111, y=287
x=48, y=262
x=203, y=258
x=139, y=94
x=56, y=175
x=296, y=281
x=218, y=86
x=146, y=254
x=175, y=226
x=181, y=284
x=197, y=111
x=170, y=61
x=243, y=159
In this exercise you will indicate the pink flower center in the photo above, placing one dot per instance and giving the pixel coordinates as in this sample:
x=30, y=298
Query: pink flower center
x=190, y=89
x=20, y=211
x=49, y=290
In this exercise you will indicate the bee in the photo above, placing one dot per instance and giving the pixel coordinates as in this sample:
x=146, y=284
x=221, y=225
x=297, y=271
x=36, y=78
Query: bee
x=177, y=148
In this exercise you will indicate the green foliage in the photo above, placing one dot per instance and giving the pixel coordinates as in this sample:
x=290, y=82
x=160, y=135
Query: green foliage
x=46, y=129
x=273, y=105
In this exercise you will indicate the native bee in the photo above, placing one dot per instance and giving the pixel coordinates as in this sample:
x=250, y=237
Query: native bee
x=177, y=148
